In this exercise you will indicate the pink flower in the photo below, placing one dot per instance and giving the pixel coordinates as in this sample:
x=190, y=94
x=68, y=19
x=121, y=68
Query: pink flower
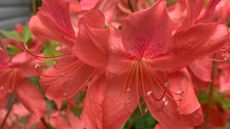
x=13, y=75
x=72, y=72
x=147, y=60
x=65, y=120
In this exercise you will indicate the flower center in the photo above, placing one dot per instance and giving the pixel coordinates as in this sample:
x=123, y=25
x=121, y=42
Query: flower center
x=149, y=83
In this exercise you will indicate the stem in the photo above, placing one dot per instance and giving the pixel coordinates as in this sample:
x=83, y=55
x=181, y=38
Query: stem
x=11, y=104
x=44, y=123
x=211, y=91
x=131, y=6
x=34, y=10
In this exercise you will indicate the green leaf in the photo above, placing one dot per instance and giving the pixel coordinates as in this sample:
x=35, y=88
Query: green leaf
x=225, y=103
x=26, y=34
x=49, y=50
x=139, y=121
x=12, y=50
x=10, y=34
x=151, y=1
x=203, y=97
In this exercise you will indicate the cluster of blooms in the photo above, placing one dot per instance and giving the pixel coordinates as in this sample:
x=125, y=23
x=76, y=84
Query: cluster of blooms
x=157, y=56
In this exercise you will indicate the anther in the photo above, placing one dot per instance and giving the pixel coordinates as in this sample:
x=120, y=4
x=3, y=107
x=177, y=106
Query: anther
x=149, y=93
x=166, y=103
x=180, y=92
x=37, y=66
x=146, y=110
x=166, y=84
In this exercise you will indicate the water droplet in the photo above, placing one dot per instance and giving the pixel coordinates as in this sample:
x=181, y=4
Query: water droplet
x=65, y=94
x=149, y=93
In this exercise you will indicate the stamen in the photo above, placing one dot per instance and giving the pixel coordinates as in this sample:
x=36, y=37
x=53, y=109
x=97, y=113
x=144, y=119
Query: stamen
x=137, y=90
x=161, y=84
x=149, y=93
x=166, y=84
x=38, y=56
x=129, y=76
x=166, y=103
x=66, y=72
x=38, y=68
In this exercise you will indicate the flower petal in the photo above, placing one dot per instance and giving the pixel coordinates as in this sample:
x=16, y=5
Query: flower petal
x=225, y=78
x=53, y=22
x=7, y=82
x=119, y=61
x=65, y=79
x=3, y=59
x=27, y=94
x=170, y=110
x=194, y=9
x=107, y=105
x=147, y=29
x=202, y=68
x=26, y=64
x=167, y=116
x=92, y=39
x=180, y=82
x=88, y=4
x=199, y=40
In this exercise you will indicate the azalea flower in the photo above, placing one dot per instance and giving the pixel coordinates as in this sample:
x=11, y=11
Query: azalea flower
x=72, y=72
x=147, y=60
x=16, y=116
x=224, y=77
x=13, y=79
